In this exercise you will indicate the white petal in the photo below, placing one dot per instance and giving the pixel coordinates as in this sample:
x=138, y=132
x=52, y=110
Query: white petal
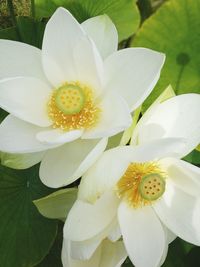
x=113, y=254
x=184, y=175
x=164, y=256
x=93, y=218
x=21, y=161
x=104, y=174
x=170, y=236
x=115, y=233
x=17, y=136
x=62, y=33
x=143, y=235
x=104, y=34
x=19, y=59
x=114, y=117
x=180, y=212
x=68, y=54
x=110, y=167
x=176, y=117
x=26, y=98
x=57, y=136
x=133, y=73
x=89, y=65
x=84, y=250
x=72, y=161
x=69, y=262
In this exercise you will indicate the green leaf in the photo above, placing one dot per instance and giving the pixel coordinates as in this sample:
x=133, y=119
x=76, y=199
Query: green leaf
x=53, y=259
x=193, y=157
x=3, y=114
x=177, y=253
x=198, y=148
x=174, y=30
x=124, y=13
x=9, y=33
x=127, y=263
x=193, y=258
x=58, y=204
x=26, y=236
x=31, y=31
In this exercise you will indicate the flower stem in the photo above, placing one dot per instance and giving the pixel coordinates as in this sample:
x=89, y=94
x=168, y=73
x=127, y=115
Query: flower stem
x=129, y=132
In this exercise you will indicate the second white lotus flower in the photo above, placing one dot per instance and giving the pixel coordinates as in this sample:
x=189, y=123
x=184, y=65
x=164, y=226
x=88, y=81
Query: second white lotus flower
x=78, y=87
x=145, y=191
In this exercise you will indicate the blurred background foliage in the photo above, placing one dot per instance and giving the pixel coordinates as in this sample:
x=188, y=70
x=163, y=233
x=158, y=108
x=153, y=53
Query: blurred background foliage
x=173, y=27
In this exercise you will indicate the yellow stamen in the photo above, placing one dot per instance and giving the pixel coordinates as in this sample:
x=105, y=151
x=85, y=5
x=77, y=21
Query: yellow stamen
x=141, y=184
x=72, y=107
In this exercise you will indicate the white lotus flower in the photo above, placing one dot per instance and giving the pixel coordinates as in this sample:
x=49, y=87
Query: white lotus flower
x=108, y=254
x=78, y=86
x=147, y=189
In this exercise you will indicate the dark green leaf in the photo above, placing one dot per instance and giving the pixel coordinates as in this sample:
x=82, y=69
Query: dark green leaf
x=31, y=31
x=53, y=259
x=3, y=114
x=9, y=33
x=124, y=13
x=193, y=257
x=127, y=263
x=177, y=253
x=175, y=30
x=26, y=236
x=193, y=157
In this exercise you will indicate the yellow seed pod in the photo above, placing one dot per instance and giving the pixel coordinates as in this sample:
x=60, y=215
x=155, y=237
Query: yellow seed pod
x=152, y=186
x=70, y=99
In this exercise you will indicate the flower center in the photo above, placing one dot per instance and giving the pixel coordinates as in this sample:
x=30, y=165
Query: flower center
x=70, y=99
x=72, y=107
x=141, y=184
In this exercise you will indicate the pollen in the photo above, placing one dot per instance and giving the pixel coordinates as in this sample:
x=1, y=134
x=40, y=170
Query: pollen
x=141, y=184
x=72, y=107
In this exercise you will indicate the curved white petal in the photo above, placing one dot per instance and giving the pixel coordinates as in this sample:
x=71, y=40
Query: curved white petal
x=104, y=34
x=27, y=99
x=112, y=254
x=19, y=59
x=176, y=117
x=68, y=54
x=180, y=212
x=17, y=136
x=87, y=220
x=170, y=236
x=108, y=254
x=115, y=233
x=89, y=65
x=114, y=117
x=21, y=161
x=85, y=249
x=72, y=160
x=164, y=256
x=104, y=174
x=183, y=174
x=133, y=73
x=62, y=33
x=143, y=235
x=111, y=166
x=69, y=262
x=57, y=136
